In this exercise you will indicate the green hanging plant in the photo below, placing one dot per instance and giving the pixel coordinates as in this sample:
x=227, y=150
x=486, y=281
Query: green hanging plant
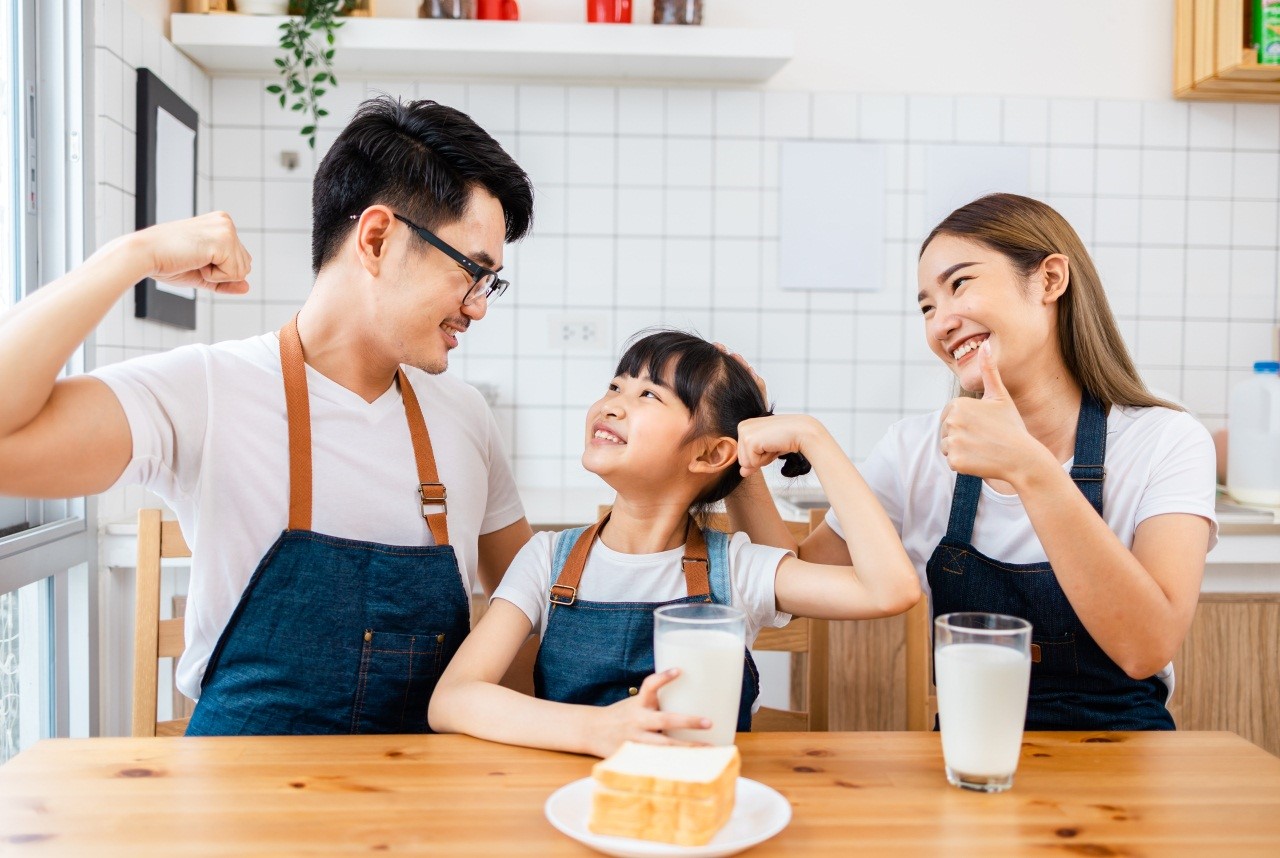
x=307, y=64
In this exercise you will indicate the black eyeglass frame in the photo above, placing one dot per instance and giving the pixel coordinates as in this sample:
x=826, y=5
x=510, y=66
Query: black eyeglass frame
x=477, y=271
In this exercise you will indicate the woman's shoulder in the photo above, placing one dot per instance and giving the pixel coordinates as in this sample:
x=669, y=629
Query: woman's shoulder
x=1147, y=422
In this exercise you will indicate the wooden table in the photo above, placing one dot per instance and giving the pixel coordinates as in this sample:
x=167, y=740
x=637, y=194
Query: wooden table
x=853, y=794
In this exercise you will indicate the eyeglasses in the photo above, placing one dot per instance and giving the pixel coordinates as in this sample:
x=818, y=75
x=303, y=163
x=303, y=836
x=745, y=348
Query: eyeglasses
x=485, y=282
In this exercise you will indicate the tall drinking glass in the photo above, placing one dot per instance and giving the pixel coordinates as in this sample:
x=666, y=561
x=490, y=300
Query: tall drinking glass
x=982, y=666
x=707, y=642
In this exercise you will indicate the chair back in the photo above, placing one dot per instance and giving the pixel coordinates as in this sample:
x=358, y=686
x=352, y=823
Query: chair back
x=153, y=637
x=922, y=696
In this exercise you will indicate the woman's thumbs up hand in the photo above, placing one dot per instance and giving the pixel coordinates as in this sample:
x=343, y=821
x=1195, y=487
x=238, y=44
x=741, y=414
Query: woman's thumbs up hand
x=986, y=437
x=992, y=385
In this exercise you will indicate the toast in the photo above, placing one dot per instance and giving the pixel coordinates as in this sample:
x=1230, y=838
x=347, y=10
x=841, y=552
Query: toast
x=669, y=794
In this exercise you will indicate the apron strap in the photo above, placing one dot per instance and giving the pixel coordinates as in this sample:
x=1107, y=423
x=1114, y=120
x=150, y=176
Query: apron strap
x=1091, y=446
x=298, y=411
x=431, y=491
x=697, y=582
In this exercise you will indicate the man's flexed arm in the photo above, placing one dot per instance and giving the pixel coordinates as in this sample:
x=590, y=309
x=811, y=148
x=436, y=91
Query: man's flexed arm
x=60, y=439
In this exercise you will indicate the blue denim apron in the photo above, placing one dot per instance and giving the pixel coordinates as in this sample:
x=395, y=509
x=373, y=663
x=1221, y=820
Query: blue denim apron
x=336, y=635
x=1074, y=684
x=598, y=653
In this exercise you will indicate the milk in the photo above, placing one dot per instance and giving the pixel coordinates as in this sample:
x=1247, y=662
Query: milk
x=982, y=705
x=710, y=682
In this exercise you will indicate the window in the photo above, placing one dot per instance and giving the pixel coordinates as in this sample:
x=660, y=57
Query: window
x=46, y=553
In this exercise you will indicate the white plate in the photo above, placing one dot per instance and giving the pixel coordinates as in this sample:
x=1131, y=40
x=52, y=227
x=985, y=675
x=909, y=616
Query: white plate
x=759, y=812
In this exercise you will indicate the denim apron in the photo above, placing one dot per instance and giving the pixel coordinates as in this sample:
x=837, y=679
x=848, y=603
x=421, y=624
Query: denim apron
x=598, y=653
x=336, y=635
x=1074, y=684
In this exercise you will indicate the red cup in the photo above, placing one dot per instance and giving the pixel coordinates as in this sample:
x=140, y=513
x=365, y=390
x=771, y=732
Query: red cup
x=609, y=11
x=497, y=10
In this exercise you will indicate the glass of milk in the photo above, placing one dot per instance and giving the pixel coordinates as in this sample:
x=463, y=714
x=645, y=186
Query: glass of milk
x=707, y=642
x=982, y=667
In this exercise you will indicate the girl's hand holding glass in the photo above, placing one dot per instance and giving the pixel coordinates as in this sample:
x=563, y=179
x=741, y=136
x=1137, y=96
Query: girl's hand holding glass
x=637, y=718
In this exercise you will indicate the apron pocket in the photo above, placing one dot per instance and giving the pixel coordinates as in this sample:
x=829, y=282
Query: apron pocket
x=1057, y=656
x=397, y=675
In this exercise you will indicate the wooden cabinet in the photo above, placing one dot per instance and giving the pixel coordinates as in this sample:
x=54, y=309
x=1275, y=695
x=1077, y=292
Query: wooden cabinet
x=1213, y=57
x=1228, y=670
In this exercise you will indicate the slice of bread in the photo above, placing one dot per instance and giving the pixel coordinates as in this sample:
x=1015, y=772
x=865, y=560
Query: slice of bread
x=670, y=794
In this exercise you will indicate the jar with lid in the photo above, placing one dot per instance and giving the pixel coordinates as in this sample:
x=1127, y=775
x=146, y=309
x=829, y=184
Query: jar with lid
x=677, y=11
x=1253, y=437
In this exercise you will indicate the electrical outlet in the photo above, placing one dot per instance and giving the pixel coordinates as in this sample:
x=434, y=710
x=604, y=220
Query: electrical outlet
x=579, y=332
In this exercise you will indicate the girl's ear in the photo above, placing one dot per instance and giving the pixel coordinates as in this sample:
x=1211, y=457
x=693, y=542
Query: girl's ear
x=714, y=455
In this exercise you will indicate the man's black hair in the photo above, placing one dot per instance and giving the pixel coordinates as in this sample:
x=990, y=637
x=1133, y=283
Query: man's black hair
x=422, y=159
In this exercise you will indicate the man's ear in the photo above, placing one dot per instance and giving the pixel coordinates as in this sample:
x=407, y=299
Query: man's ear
x=712, y=455
x=1055, y=276
x=372, y=229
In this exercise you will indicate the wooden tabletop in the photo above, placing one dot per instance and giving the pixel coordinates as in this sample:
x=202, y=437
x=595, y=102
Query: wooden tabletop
x=852, y=794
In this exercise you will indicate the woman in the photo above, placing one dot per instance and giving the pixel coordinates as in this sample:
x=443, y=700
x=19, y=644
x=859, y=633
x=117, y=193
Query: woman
x=1056, y=487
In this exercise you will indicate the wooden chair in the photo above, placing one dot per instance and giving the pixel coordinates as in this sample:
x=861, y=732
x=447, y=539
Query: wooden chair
x=922, y=697
x=153, y=637
x=807, y=641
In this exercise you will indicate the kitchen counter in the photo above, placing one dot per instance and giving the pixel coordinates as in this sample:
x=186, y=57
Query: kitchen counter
x=1245, y=560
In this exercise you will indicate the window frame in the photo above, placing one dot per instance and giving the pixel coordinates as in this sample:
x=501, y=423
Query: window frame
x=53, y=73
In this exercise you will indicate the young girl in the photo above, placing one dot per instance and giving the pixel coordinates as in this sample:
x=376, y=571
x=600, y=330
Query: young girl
x=665, y=437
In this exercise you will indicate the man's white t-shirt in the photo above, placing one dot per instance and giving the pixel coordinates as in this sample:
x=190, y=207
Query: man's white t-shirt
x=611, y=576
x=1158, y=461
x=210, y=436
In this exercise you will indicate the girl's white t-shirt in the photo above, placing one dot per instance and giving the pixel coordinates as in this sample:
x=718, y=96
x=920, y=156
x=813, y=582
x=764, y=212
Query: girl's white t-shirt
x=210, y=437
x=1158, y=461
x=611, y=576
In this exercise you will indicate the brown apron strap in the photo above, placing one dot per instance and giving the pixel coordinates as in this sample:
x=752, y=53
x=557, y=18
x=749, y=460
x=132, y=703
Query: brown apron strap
x=431, y=491
x=298, y=409
x=697, y=581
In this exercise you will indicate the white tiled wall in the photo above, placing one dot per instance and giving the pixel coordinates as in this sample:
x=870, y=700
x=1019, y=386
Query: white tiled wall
x=659, y=206
x=124, y=43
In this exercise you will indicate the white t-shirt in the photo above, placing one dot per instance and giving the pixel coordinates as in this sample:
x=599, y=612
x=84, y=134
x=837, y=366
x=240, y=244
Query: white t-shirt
x=210, y=436
x=1157, y=461
x=611, y=576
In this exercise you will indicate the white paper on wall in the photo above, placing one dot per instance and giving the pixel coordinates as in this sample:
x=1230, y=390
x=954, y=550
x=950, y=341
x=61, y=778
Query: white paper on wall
x=175, y=190
x=831, y=216
x=956, y=174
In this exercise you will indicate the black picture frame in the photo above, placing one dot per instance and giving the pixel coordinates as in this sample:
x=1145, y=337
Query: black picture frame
x=166, y=188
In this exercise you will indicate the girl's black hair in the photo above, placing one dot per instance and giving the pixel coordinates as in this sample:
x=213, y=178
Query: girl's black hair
x=718, y=391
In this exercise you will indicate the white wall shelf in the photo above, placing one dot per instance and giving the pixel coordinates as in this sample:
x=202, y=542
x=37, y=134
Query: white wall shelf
x=235, y=44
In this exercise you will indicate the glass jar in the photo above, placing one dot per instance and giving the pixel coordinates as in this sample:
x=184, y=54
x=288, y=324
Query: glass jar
x=447, y=9
x=677, y=11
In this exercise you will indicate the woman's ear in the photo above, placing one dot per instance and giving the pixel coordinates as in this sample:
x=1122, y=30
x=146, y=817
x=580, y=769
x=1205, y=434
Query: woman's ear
x=1055, y=276
x=713, y=455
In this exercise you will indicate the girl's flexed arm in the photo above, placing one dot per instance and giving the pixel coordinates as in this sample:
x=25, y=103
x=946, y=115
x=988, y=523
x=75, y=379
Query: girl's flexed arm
x=882, y=580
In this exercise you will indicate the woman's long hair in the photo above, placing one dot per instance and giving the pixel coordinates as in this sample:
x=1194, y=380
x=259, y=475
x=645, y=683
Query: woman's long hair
x=1026, y=231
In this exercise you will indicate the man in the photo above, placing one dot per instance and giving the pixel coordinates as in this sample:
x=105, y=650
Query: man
x=336, y=534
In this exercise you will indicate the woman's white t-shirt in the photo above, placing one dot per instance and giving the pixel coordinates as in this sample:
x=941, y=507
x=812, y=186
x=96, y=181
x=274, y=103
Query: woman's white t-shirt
x=210, y=436
x=611, y=576
x=1158, y=461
